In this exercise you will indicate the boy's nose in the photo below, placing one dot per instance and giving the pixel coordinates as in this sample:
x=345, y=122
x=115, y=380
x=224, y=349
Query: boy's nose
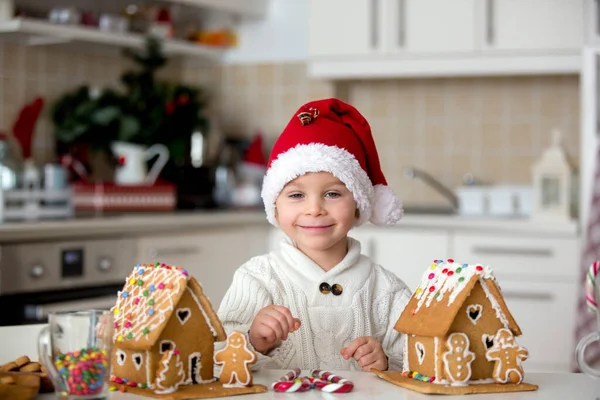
x=314, y=207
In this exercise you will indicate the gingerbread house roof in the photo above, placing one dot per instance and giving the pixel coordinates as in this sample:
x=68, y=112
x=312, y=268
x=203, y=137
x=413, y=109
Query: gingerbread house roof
x=444, y=287
x=149, y=299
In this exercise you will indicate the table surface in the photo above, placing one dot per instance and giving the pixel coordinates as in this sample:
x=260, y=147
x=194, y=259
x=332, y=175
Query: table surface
x=367, y=385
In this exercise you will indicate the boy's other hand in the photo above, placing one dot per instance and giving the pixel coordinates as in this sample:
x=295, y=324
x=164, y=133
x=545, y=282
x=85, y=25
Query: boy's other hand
x=271, y=325
x=367, y=351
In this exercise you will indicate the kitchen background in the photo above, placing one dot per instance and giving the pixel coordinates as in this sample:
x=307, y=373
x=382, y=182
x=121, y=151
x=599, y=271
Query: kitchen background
x=475, y=105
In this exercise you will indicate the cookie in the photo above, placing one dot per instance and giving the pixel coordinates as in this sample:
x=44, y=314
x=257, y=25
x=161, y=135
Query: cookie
x=7, y=380
x=508, y=356
x=31, y=367
x=170, y=373
x=23, y=360
x=10, y=366
x=236, y=359
x=458, y=359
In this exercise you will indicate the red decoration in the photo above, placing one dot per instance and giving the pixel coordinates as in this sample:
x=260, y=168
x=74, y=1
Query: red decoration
x=254, y=153
x=450, y=260
x=479, y=268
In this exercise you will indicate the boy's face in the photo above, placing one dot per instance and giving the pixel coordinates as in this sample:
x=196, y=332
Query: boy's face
x=316, y=211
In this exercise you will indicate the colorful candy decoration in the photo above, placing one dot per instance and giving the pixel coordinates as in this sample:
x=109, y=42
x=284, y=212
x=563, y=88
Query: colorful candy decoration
x=417, y=376
x=590, y=284
x=321, y=380
x=83, y=370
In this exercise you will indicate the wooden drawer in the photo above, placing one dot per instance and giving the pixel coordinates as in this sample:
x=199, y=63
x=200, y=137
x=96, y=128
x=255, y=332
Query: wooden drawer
x=211, y=257
x=546, y=314
x=520, y=257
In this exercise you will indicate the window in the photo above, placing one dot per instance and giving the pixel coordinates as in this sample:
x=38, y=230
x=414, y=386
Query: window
x=121, y=357
x=138, y=360
x=166, y=345
x=183, y=314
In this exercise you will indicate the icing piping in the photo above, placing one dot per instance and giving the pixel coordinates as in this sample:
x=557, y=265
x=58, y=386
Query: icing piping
x=447, y=277
x=198, y=376
x=420, y=352
x=148, y=373
x=187, y=316
x=208, y=322
x=474, y=308
x=460, y=352
x=436, y=347
x=162, y=377
x=160, y=349
x=121, y=357
x=495, y=305
x=149, y=315
x=406, y=367
x=133, y=357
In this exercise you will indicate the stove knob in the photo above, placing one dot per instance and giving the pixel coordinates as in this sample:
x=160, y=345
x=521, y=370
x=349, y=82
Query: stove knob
x=37, y=271
x=105, y=264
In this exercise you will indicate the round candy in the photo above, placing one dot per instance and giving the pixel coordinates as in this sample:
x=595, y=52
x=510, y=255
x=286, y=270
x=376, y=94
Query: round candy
x=84, y=371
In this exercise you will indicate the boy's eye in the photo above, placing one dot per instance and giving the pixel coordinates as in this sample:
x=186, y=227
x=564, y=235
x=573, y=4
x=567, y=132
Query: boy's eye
x=295, y=195
x=332, y=194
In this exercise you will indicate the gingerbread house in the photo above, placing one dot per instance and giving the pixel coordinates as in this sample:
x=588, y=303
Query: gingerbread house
x=456, y=327
x=163, y=320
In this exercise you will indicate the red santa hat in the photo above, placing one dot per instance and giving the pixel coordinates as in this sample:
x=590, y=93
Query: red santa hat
x=330, y=135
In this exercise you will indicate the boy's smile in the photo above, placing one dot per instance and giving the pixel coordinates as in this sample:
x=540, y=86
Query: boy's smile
x=316, y=211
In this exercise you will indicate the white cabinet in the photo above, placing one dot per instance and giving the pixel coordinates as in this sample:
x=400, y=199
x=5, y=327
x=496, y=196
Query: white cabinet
x=211, y=256
x=337, y=29
x=433, y=26
x=405, y=252
x=411, y=38
x=534, y=24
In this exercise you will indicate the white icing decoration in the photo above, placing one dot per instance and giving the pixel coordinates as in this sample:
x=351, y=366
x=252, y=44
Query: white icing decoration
x=187, y=313
x=163, y=300
x=171, y=347
x=141, y=358
x=455, y=348
x=420, y=349
x=435, y=357
x=474, y=312
x=484, y=339
x=495, y=305
x=406, y=367
x=121, y=357
x=148, y=371
x=443, y=283
x=208, y=322
x=198, y=377
x=163, y=371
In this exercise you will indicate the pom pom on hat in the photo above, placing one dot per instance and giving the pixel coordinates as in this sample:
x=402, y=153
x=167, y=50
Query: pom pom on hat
x=332, y=136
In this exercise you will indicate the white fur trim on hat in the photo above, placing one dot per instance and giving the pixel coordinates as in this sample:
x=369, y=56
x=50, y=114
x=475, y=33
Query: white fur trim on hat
x=387, y=209
x=317, y=157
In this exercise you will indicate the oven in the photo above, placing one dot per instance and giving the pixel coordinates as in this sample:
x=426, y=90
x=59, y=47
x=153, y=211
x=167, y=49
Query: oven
x=45, y=277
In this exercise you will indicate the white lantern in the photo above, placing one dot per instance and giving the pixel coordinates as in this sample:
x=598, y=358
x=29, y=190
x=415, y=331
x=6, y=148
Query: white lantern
x=553, y=184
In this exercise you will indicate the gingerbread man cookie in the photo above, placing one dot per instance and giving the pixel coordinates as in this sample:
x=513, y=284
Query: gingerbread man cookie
x=236, y=358
x=508, y=357
x=458, y=359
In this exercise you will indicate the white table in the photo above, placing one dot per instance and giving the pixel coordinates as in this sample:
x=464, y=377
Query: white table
x=369, y=386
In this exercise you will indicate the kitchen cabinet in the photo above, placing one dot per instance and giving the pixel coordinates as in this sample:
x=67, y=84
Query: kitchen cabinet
x=353, y=32
x=540, y=25
x=211, y=256
x=413, y=38
x=430, y=26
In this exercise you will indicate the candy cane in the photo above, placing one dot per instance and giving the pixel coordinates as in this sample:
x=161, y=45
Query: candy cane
x=590, y=284
x=328, y=376
x=290, y=376
x=339, y=387
x=297, y=385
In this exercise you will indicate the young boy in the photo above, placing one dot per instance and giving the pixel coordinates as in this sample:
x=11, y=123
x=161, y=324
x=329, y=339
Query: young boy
x=316, y=302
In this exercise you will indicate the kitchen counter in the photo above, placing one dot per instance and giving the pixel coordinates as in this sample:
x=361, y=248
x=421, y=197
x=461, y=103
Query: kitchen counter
x=369, y=386
x=135, y=224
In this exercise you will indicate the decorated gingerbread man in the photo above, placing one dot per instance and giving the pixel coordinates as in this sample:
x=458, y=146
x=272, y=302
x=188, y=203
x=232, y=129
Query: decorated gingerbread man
x=457, y=360
x=236, y=359
x=508, y=357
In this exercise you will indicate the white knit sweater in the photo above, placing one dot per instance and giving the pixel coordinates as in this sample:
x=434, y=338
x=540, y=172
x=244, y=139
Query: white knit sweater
x=372, y=300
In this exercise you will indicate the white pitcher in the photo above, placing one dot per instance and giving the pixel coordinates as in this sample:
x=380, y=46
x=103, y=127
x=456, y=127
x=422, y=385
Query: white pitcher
x=131, y=169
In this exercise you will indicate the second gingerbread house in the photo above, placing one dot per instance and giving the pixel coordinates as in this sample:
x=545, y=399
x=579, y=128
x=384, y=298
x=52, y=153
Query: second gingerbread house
x=459, y=330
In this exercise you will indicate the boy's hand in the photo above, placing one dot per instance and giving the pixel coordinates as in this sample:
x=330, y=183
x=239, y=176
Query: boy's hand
x=271, y=325
x=367, y=351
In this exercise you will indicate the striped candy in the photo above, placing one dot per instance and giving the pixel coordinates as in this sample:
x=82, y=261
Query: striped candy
x=297, y=385
x=329, y=387
x=590, y=283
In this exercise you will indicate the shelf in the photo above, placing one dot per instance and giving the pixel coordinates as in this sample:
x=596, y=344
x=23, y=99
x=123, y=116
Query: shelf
x=250, y=8
x=36, y=33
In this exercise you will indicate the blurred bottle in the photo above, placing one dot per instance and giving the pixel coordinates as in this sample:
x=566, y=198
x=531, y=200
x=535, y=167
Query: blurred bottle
x=9, y=166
